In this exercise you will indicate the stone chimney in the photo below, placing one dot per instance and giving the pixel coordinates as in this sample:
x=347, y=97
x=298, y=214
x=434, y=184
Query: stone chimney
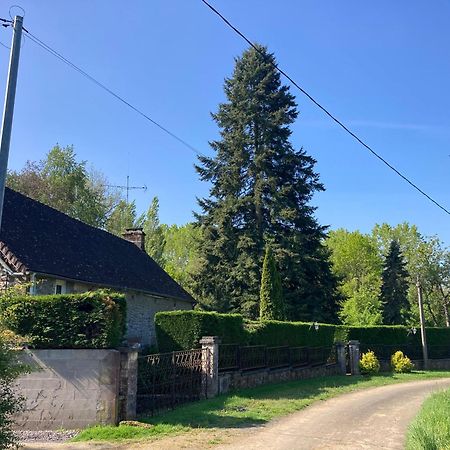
x=136, y=236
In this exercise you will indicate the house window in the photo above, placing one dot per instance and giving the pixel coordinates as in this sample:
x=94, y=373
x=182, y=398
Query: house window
x=60, y=287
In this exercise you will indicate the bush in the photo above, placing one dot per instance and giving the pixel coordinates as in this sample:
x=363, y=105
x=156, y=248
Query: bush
x=369, y=363
x=401, y=363
x=182, y=330
x=90, y=320
x=10, y=403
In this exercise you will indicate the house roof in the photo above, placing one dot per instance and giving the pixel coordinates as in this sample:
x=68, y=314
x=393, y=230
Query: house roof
x=37, y=238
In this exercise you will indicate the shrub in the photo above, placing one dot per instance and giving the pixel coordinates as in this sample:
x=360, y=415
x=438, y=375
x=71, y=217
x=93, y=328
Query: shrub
x=401, y=363
x=10, y=403
x=89, y=320
x=369, y=363
x=182, y=330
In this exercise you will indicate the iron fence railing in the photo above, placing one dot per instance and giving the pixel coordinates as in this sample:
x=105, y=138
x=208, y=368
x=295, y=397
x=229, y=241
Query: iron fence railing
x=168, y=379
x=252, y=357
x=413, y=351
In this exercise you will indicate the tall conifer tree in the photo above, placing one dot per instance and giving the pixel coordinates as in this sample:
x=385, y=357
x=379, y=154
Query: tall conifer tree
x=260, y=192
x=394, y=290
x=271, y=305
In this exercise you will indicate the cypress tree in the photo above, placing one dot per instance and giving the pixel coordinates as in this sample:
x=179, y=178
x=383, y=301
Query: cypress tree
x=394, y=290
x=260, y=192
x=271, y=296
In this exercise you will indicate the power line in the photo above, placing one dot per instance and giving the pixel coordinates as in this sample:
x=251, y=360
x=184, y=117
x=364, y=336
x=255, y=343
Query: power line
x=53, y=52
x=334, y=118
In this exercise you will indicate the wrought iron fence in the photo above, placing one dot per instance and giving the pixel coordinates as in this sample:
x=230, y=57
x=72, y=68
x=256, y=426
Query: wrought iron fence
x=235, y=357
x=168, y=379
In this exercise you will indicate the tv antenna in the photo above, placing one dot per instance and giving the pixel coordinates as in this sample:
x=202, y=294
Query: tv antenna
x=127, y=187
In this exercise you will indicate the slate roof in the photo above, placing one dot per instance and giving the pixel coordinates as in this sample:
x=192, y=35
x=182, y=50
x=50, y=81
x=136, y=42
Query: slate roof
x=46, y=241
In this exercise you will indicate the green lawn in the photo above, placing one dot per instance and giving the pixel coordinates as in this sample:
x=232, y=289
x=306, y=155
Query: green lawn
x=249, y=407
x=430, y=430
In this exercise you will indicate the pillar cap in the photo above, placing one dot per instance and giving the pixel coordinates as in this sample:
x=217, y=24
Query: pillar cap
x=210, y=340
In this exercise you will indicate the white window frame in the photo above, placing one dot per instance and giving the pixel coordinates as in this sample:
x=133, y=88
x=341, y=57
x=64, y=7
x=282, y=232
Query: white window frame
x=61, y=283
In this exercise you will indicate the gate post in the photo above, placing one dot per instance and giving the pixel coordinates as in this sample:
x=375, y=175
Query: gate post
x=128, y=382
x=210, y=364
x=353, y=349
x=341, y=357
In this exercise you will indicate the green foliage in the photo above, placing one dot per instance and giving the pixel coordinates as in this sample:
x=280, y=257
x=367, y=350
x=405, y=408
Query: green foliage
x=154, y=233
x=394, y=290
x=430, y=430
x=63, y=183
x=357, y=263
x=181, y=253
x=271, y=305
x=294, y=334
x=182, y=330
x=261, y=188
x=90, y=320
x=10, y=402
x=123, y=216
x=369, y=363
x=381, y=335
x=400, y=363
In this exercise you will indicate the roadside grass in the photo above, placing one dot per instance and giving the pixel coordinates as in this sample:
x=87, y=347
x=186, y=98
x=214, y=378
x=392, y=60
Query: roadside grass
x=430, y=430
x=248, y=407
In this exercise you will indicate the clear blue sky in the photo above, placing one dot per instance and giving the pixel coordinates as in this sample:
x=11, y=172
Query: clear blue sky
x=383, y=67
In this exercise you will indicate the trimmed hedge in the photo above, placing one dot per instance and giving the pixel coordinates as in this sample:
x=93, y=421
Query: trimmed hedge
x=89, y=320
x=182, y=330
x=274, y=333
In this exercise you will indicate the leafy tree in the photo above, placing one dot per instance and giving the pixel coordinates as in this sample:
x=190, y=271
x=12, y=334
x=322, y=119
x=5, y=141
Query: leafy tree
x=260, y=192
x=123, y=216
x=358, y=264
x=394, y=289
x=271, y=297
x=181, y=253
x=63, y=183
x=154, y=233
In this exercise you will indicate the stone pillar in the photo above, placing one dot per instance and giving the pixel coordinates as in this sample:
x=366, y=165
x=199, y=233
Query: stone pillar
x=128, y=383
x=210, y=364
x=341, y=357
x=353, y=349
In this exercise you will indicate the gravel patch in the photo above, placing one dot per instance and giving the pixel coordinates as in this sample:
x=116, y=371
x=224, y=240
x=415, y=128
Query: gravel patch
x=45, y=436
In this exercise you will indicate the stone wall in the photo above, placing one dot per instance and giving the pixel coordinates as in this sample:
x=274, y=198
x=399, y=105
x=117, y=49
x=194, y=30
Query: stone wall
x=141, y=310
x=239, y=379
x=69, y=389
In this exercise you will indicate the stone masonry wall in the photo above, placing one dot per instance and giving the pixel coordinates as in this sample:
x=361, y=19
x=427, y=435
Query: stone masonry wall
x=141, y=310
x=239, y=379
x=69, y=389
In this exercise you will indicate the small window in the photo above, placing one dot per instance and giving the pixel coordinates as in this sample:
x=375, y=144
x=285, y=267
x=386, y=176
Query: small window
x=60, y=287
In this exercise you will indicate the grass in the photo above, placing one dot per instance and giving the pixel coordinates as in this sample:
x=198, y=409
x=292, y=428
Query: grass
x=430, y=430
x=248, y=407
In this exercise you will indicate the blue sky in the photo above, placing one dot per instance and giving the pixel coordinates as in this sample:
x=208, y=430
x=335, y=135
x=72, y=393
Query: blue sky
x=382, y=67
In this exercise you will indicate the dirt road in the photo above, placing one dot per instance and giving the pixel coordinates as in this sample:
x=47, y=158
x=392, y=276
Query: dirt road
x=369, y=419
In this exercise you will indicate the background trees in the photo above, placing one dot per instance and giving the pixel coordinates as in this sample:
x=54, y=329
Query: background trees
x=260, y=193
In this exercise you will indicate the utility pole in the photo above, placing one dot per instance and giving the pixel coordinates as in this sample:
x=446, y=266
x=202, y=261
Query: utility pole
x=8, y=109
x=422, y=325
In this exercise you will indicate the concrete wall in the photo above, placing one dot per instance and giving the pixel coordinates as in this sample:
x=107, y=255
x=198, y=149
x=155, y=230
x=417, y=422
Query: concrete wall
x=69, y=389
x=239, y=379
x=141, y=310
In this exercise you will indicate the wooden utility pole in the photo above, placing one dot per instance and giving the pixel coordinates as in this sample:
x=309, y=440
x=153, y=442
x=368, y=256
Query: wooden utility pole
x=422, y=325
x=8, y=110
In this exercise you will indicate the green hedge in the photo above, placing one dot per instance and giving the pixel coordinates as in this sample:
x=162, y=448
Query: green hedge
x=380, y=335
x=294, y=334
x=90, y=320
x=182, y=330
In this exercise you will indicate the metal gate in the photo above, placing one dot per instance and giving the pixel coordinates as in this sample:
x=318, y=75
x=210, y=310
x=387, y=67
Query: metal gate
x=166, y=380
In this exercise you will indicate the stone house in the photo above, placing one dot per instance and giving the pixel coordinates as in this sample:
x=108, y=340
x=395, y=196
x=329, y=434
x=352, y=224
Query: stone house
x=58, y=254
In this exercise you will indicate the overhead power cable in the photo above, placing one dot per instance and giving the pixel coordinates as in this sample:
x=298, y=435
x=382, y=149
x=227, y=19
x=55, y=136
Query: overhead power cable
x=53, y=52
x=330, y=115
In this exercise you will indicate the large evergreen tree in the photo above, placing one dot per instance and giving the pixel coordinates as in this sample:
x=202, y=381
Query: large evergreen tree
x=260, y=192
x=394, y=290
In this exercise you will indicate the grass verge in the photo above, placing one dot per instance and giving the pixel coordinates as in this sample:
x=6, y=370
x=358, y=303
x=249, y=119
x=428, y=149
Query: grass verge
x=430, y=430
x=248, y=407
